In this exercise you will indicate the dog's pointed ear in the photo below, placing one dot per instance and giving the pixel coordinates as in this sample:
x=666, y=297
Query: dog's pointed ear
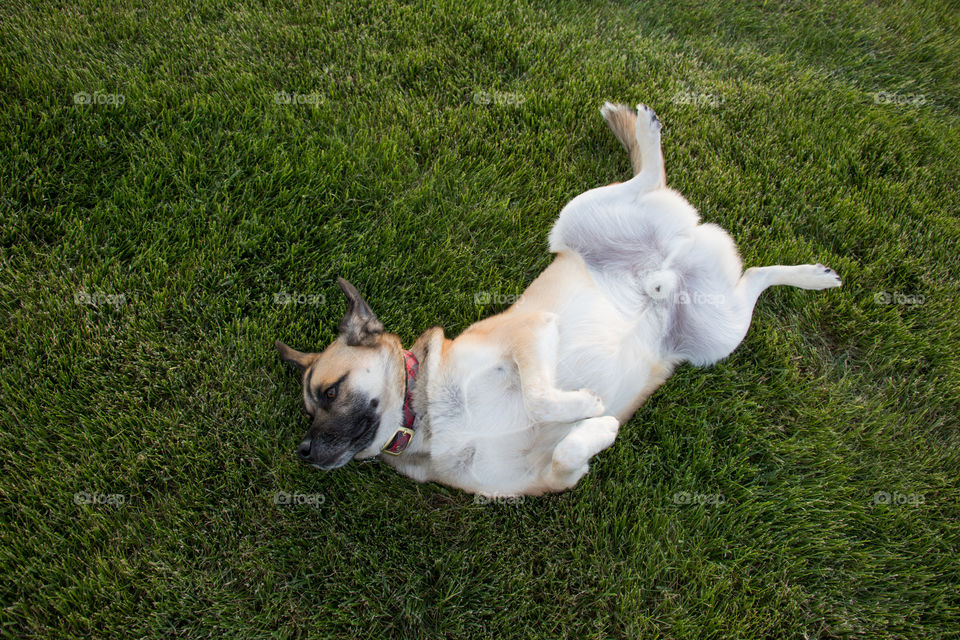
x=297, y=358
x=359, y=327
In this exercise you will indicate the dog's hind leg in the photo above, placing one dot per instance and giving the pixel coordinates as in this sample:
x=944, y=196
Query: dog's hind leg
x=756, y=280
x=628, y=228
x=642, y=142
x=712, y=332
x=570, y=459
x=805, y=276
x=652, y=173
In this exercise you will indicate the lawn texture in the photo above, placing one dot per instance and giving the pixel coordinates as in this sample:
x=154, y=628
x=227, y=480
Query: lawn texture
x=180, y=186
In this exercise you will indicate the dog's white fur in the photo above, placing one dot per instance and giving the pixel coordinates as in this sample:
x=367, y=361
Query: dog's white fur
x=520, y=402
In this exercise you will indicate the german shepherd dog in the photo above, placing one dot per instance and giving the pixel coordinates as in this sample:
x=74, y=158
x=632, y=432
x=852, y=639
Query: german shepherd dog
x=521, y=401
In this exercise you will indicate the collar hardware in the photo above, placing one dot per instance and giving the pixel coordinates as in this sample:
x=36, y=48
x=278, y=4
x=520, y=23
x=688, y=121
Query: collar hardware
x=398, y=443
x=403, y=435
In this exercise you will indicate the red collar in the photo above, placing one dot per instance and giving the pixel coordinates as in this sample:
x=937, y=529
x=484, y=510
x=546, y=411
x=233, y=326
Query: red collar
x=401, y=439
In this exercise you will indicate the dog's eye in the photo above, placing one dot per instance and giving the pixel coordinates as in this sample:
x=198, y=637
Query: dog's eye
x=331, y=393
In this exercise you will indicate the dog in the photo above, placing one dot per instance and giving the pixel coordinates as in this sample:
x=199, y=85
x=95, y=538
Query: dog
x=520, y=402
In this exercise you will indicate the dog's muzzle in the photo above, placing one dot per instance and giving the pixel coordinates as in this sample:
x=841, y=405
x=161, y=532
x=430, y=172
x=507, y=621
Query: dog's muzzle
x=307, y=451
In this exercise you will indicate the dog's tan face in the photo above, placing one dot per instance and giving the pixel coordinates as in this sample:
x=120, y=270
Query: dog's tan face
x=349, y=387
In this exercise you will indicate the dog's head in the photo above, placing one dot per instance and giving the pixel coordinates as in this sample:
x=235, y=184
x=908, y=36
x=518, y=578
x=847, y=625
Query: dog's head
x=353, y=390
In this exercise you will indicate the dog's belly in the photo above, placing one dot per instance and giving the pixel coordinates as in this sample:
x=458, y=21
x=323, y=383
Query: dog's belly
x=482, y=439
x=480, y=436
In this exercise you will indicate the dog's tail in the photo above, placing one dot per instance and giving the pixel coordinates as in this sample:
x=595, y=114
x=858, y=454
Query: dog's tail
x=662, y=284
x=665, y=283
x=622, y=120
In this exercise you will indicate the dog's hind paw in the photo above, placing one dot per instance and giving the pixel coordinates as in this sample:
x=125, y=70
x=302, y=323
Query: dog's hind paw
x=816, y=276
x=647, y=117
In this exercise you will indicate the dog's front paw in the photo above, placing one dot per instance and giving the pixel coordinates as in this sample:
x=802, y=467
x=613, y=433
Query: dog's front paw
x=584, y=441
x=592, y=404
x=564, y=406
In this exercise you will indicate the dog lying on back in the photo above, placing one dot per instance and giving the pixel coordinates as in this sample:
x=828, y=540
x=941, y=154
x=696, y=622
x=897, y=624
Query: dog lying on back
x=521, y=401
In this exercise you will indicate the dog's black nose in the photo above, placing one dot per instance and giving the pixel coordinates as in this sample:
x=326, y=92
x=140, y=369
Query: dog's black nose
x=304, y=449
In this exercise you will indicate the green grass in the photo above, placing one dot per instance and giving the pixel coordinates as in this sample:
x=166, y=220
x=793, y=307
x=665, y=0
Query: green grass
x=200, y=198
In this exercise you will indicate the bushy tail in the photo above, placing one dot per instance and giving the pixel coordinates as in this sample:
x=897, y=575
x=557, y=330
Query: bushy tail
x=662, y=284
x=622, y=120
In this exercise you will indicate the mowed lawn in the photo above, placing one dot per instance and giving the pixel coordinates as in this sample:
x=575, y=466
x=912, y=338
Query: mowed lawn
x=181, y=186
